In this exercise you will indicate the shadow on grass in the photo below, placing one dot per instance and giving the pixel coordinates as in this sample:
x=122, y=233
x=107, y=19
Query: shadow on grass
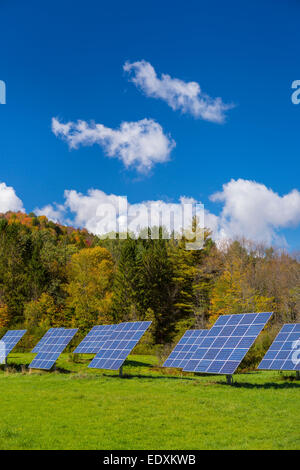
x=268, y=385
x=60, y=370
x=293, y=383
x=129, y=362
x=153, y=377
x=13, y=367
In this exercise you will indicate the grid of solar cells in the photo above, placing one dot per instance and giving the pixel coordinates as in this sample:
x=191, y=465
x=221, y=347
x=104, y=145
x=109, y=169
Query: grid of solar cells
x=51, y=349
x=185, y=348
x=226, y=343
x=284, y=351
x=95, y=339
x=46, y=336
x=9, y=341
x=122, y=341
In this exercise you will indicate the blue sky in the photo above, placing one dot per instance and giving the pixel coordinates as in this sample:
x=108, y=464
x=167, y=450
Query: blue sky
x=65, y=59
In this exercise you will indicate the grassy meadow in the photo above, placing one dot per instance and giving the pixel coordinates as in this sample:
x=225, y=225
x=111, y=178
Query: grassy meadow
x=149, y=408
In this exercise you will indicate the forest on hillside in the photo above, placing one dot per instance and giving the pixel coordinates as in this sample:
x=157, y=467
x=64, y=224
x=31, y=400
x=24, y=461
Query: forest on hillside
x=52, y=275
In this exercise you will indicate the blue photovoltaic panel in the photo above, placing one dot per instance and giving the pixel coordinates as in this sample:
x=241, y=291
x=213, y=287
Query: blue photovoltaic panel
x=284, y=353
x=51, y=349
x=9, y=341
x=46, y=336
x=95, y=339
x=226, y=343
x=122, y=341
x=185, y=348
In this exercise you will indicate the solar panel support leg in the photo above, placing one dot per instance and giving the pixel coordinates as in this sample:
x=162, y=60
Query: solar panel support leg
x=297, y=374
x=229, y=379
x=121, y=371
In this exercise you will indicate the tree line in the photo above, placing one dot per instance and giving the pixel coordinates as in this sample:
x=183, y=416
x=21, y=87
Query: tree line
x=52, y=275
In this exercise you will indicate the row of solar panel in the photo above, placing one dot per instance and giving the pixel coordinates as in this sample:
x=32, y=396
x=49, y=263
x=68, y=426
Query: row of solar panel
x=284, y=353
x=219, y=350
x=111, y=344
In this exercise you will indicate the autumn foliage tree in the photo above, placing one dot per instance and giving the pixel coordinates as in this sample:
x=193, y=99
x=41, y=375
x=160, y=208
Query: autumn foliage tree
x=53, y=275
x=41, y=313
x=90, y=274
x=233, y=290
x=4, y=316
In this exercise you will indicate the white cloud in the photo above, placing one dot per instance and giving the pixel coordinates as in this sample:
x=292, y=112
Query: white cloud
x=249, y=210
x=54, y=213
x=87, y=209
x=9, y=201
x=139, y=144
x=253, y=211
x=101, y=213
x=184, y=96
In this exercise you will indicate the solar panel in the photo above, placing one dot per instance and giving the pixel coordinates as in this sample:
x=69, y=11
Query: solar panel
x=9, y=341
x=185, y=348
x=122, y=341
x=284, y=353
x=47, y=335
x=52, y=347
x=226, y=343
x=95, y=339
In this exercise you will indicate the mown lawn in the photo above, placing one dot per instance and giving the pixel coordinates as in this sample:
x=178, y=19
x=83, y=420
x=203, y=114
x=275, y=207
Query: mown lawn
x=150, y=408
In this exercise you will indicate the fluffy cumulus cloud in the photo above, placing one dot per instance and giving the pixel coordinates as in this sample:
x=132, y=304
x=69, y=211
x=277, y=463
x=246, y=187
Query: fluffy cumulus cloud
x=53, y=212
x=248, y=209
x=253, y=211
x=101, y=213
x=9, y=201
x=96, y=211
x=180, y=95
x=139, y=144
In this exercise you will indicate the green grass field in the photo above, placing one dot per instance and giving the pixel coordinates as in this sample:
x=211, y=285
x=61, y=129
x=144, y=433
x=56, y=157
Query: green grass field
x=149, y=408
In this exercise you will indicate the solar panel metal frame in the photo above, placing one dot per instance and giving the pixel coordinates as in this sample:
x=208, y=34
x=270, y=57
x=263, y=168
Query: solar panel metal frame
x=280, y=354
x=9, y=341
x=227, y=342
x=185, y=348
x=122, y=341
x=95, y=339
x=52, y=348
